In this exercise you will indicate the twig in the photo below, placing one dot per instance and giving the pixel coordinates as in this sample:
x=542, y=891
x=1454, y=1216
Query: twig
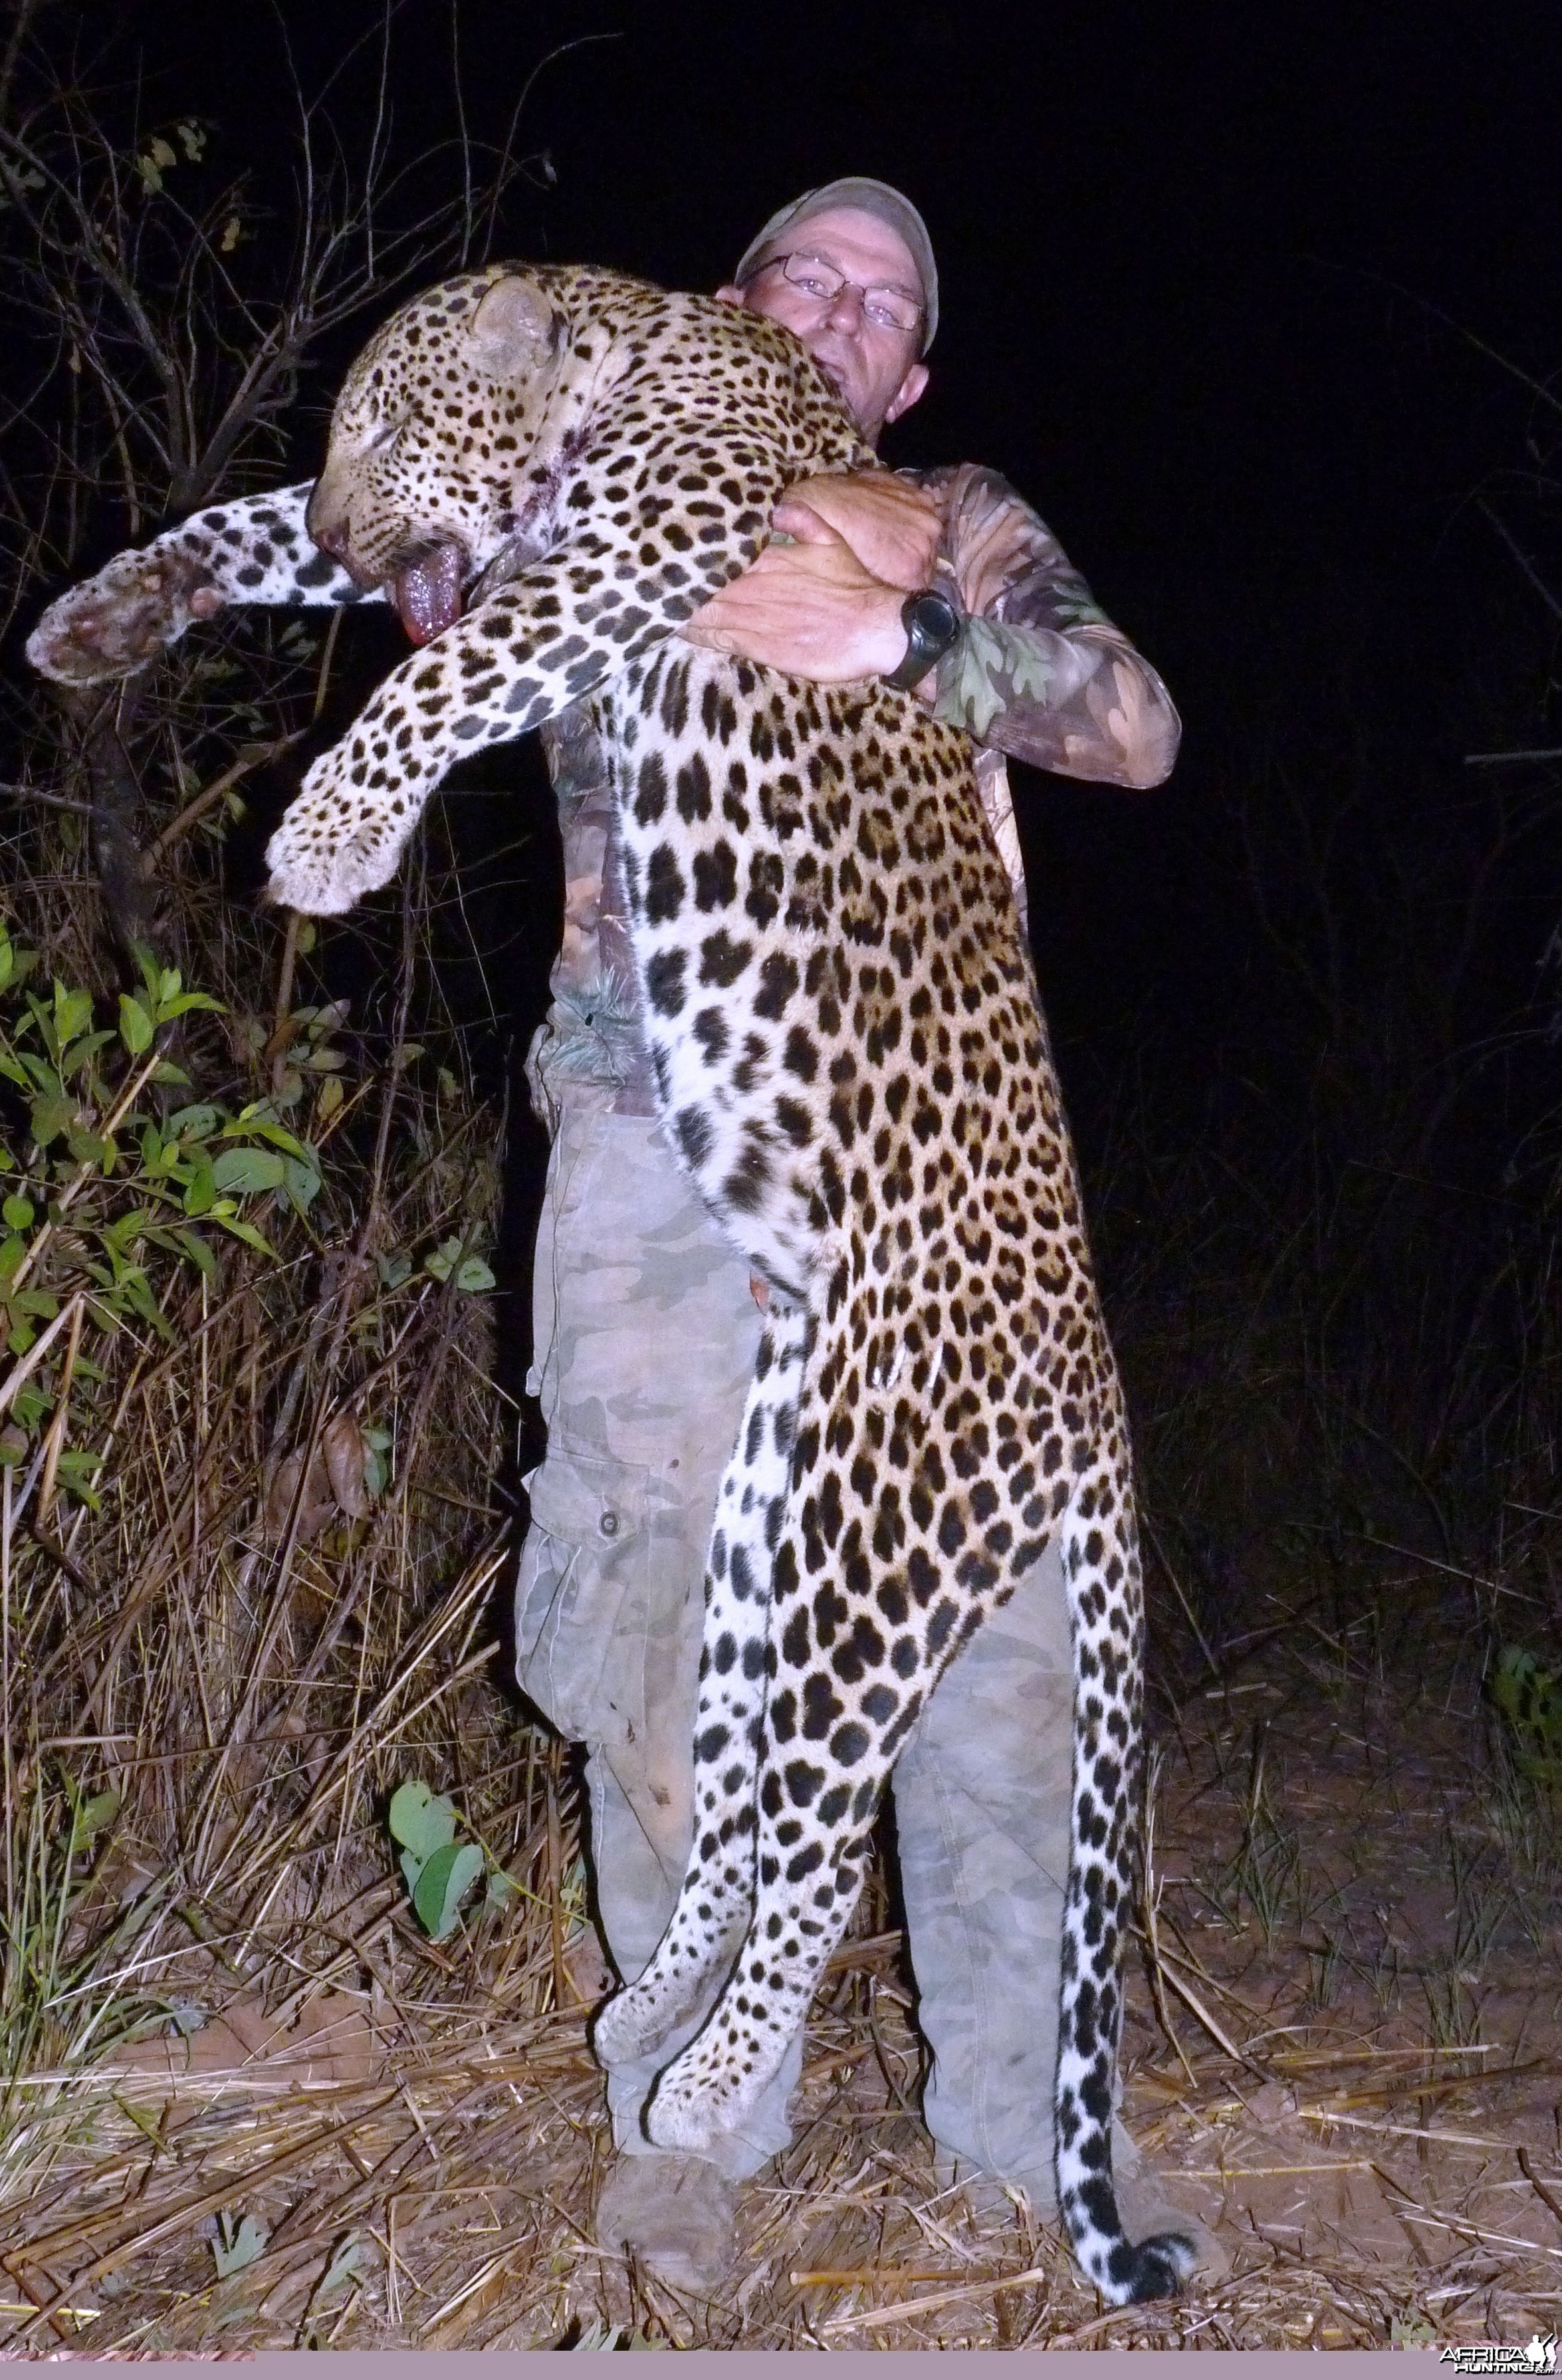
x=23, y=1368
x=1191, y=2001
x=250, y=757
x=1538, y=2186
x=1499, y=759
x=879, y=2315
x=1150, y=1902
x=1404, y=2131
x=1199, y=1636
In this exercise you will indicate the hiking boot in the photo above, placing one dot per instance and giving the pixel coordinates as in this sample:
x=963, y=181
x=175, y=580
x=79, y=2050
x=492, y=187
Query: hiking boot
x=675, y=2214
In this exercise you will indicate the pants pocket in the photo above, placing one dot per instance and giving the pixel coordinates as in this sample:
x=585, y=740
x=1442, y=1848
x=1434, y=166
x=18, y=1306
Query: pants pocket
x=581, y=1575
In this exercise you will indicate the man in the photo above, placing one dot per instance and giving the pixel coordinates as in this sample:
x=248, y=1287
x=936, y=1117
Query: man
x=646, y=1326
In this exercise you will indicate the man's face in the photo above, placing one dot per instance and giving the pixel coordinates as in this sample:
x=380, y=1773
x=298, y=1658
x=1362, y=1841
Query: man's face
x=873, y=368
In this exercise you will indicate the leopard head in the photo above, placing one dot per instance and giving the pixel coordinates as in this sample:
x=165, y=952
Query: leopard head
x=439, y=442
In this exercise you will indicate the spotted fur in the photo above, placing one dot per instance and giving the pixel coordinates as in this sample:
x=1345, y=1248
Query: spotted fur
x=850, y=1061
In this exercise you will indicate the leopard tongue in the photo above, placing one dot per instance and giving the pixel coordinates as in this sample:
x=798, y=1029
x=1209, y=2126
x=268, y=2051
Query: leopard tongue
x=427, y=593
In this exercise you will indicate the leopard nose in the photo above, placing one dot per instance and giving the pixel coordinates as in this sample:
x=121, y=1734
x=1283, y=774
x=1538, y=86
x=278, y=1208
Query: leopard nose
x=331, y=536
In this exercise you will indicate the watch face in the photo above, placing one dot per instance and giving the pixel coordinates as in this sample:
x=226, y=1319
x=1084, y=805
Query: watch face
x=936, y=618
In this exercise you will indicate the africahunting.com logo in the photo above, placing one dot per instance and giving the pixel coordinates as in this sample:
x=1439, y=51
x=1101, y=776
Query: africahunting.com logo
x=1538, y=2356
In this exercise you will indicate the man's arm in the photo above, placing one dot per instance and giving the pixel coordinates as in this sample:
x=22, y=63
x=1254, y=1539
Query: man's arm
x=1039, y=671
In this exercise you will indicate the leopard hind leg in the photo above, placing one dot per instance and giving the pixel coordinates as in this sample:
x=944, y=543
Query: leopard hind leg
x=1106, y=1601
x=826, y=1755
x=721, y=2077
x=715, y=1901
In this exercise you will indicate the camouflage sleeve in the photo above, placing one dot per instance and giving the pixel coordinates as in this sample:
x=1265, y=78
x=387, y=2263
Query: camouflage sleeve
x=1039, y=671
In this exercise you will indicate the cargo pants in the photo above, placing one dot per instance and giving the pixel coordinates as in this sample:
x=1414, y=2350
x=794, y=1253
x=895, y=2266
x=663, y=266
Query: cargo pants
x=646, y=1331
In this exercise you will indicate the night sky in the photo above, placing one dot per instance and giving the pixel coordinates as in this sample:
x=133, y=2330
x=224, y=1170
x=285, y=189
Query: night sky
x=1206, y=271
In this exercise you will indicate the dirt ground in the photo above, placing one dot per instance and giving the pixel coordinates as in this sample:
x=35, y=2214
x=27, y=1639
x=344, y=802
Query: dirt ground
x=1343, y=2053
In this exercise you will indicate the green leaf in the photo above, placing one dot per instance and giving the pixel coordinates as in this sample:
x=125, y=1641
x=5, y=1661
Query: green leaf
x=473, y=1276
x=301, y=1180
x=498, y=1890
x=150, y=968
x=235, y=2249
x=200, y=1190
x=194, y=1121
x=342, y=2267
x=76, y=1056
x=182, y=1002
x=422, y=1819
x=73, y=1012
x=78, y=1470
x=446, y=1880
x=91, y=1819
x=18, y=1212
x=52, y=1115
x=248, y=1170
x=239, y=1229
x=136, y=1027
x=198, y=1252
x=257, y=1125
x=91, y=1147
x=392, y=1269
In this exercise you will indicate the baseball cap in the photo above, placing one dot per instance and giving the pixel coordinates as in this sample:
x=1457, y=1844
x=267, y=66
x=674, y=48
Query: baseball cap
x=872, y=198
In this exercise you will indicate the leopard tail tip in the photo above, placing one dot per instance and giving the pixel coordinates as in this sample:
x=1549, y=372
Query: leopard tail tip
x=1156, y=2268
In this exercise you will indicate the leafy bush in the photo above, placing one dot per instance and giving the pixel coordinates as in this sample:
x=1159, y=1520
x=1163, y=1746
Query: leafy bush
x=108, y=1193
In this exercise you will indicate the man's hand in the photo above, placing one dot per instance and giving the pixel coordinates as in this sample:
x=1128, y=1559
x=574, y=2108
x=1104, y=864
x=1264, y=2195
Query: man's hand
x=891, y=527
x=817, y=608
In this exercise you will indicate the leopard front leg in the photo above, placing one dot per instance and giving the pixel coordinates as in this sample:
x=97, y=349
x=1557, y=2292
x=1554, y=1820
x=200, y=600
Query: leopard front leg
x=714, y=1904
x=255, y=549
x=543, y=641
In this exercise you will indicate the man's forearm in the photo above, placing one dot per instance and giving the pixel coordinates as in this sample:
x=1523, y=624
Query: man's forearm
x=1039, y=671
x=1084, y=703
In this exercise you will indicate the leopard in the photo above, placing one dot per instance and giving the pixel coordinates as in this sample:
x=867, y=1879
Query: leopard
x=546, y=470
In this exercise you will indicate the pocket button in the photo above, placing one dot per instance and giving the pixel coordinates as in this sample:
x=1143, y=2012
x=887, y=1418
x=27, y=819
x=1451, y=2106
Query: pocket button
x=609, y=1525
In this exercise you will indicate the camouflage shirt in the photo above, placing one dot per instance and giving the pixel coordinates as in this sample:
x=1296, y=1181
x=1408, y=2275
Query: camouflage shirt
x=1039, y=674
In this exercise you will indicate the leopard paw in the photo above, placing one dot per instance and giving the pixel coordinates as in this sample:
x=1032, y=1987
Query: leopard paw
x=633, y=2025
x=330, y=848
x=120, y=618
x=686, y=2112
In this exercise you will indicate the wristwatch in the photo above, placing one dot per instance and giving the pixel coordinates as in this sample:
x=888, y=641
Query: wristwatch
x=932, y=624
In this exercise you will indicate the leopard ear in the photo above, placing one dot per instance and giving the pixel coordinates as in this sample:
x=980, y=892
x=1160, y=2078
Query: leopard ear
x=514, y=329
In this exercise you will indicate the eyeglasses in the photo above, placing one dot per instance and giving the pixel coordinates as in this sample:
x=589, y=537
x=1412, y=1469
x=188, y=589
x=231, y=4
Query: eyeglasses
x=887, y=307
